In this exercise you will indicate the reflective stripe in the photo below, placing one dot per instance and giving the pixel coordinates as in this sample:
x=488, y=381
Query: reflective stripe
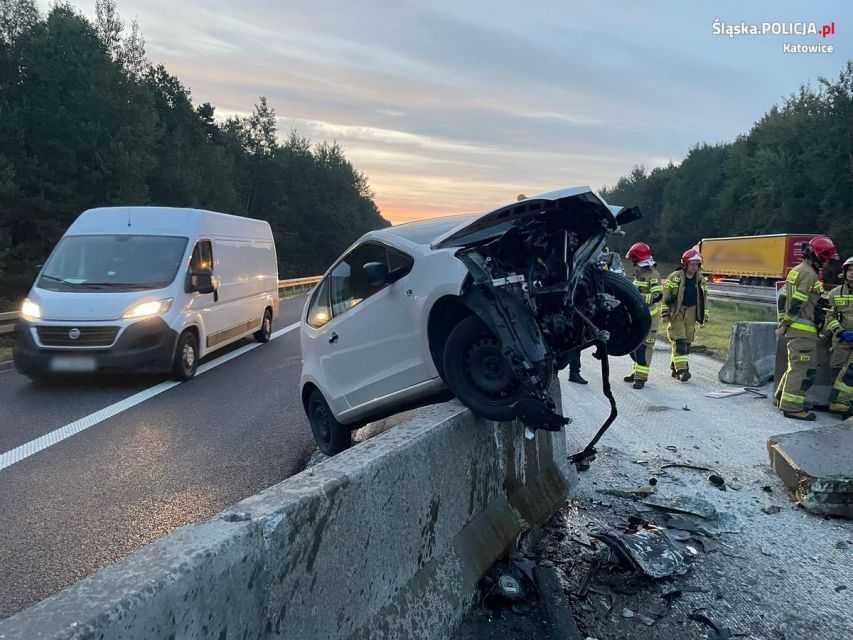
x=639, y=283
x=799, y=295
x=792, y=276
x=802, y=326
x=818, y=286
x=833, y=325
x=678, y=359
x=639, y=369
x=843, y=388
x=653, y=311
x=656, y=289
x=792, y=397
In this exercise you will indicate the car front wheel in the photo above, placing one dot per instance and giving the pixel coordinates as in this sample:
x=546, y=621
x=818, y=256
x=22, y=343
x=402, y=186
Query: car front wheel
x=477, y=372
x=331, y=436
x=186, y=356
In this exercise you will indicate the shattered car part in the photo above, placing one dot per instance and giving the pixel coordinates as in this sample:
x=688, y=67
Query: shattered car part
x=683, y=504
x=648, y=550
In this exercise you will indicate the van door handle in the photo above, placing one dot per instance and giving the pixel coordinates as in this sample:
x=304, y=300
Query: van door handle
x=334, y=338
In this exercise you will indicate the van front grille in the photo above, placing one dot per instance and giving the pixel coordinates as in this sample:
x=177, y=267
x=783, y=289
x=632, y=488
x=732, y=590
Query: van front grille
x=77, y=336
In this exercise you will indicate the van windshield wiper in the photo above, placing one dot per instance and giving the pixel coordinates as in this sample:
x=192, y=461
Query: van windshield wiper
x=62, y=280
x=128, y=285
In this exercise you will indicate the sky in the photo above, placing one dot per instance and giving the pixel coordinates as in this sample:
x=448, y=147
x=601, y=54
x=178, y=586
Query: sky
x=452, y=106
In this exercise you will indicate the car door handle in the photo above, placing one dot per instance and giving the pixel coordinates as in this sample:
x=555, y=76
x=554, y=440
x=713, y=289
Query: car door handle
x=333, y=339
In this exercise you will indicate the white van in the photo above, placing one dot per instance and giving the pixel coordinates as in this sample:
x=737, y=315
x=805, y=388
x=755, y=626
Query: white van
x=148, y=289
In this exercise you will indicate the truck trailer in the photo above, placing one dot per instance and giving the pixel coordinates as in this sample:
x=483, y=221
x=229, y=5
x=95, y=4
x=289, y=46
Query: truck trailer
x=752, y=260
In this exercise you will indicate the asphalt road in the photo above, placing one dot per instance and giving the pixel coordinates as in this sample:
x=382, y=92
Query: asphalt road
x=181, y=456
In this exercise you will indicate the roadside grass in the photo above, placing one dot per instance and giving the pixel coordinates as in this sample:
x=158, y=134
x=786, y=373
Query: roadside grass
x=714, y=339
x=6, y=343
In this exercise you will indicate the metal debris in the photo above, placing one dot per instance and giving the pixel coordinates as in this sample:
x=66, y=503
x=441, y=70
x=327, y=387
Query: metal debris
x=683, y=504
x=634, y=493
x=680, y=465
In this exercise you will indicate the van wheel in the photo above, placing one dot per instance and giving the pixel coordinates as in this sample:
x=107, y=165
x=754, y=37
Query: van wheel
x=331, y=436
x=264, y=334
x=477, y=372
x=629, y=322
x=186, y=356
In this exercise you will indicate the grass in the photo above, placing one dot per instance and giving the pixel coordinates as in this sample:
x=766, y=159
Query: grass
x=6, y=343
x=714, y=338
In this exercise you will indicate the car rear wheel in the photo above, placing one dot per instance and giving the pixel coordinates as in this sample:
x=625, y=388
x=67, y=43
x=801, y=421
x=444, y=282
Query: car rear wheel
x=264, y=334
x=629, y=322
x=186, y=357
x=477, y=372
x=331, y=436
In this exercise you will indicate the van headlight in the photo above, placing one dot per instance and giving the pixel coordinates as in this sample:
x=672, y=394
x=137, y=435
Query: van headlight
x=30, y=311
x=147, y=309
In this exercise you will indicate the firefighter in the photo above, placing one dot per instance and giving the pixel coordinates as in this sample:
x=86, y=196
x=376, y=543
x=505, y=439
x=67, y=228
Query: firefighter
x=684, y=305
x=798, y=311
x=840, y=326
x=648, y=283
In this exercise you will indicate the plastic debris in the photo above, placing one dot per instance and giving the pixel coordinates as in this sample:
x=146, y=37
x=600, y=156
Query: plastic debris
x=649, y=550
x=627, y=613
x=718, y=481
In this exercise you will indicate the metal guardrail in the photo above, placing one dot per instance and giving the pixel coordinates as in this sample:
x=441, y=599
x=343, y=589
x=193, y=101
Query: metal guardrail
x=285, y=288
x=764, y=296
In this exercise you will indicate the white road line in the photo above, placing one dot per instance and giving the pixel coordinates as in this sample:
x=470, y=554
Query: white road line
x=58, y=435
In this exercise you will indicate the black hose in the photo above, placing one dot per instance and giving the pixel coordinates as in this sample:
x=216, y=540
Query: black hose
x=589, y=451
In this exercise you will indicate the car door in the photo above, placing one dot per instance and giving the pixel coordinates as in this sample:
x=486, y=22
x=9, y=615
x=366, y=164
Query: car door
x=205, y=304
x=372, y=333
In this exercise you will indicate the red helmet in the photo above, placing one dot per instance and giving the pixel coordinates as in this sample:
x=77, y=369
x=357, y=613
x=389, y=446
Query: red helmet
x=692, y=254
x=823, y=249
x=638, y=252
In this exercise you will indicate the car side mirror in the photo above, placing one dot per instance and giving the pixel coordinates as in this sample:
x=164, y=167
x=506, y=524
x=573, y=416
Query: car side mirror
x=377, y=273
x=201, y=281
x=396, y=274
x=627, y=215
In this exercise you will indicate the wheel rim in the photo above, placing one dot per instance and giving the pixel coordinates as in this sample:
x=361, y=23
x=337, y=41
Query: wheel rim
x=267, y=326
x=321, y=422
x=188, y=357
x=488, y=371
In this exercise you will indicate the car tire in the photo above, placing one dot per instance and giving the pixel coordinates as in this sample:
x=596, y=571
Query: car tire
x=477, y=372
x=264, y=334
x=331, y=436
x=186, y=357
x=630, y=321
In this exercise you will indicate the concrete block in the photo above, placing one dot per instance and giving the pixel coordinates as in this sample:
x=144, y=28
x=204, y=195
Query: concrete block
x=752, y=352
x=817, y=466
x=386, y=540
x=818, y=395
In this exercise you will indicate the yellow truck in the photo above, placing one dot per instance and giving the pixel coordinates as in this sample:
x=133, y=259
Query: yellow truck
x=755, y=260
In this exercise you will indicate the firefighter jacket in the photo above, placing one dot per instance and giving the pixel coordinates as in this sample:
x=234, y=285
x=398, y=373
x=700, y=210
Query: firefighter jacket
x=648, y=283
x=673, y=295
x=841, y=316
x=798, y=302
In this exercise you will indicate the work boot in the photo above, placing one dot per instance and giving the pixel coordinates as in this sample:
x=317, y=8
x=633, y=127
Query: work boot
x=629, y=378
x=808, y=416
x=839, y=407
x=639, y=384
x=672, y=371
x=576, y=377
x=684, y=375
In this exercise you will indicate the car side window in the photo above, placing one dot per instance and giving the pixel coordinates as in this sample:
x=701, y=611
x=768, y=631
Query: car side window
x=319, y=312
x=399, y=260
x=348, y=280
x=202, y=257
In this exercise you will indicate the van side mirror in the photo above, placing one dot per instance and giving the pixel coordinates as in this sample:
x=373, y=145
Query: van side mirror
x=377, y=273
x=201, y=281
x=627, y=215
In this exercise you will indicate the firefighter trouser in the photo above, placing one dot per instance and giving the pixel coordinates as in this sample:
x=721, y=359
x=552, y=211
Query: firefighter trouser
x=680, y=331
x=842, y=367
x=800, y=375
x=642, y=355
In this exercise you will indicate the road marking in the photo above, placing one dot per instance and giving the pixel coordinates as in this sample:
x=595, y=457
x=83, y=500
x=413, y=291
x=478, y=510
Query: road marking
x=73, y=428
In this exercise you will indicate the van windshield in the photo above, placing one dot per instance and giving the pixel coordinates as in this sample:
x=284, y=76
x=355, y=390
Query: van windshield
x=113, y=263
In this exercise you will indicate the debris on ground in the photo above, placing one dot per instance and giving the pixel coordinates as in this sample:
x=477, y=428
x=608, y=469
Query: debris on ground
x=718, y=633
x=648, y=550
x=683, y=504
x=718, y=481
x=771, y=510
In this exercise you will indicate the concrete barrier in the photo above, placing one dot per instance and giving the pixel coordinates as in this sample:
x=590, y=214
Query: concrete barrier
x=818, y=395
x=387, y=540
x=752, y=351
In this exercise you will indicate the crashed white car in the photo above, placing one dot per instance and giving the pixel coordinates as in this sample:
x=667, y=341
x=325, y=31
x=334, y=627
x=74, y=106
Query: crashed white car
x=484, y=307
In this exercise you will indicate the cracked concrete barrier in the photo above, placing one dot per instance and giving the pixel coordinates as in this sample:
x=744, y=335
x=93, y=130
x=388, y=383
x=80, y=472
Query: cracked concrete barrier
x=386, y=540
x=816, y=466
x=752, y=353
